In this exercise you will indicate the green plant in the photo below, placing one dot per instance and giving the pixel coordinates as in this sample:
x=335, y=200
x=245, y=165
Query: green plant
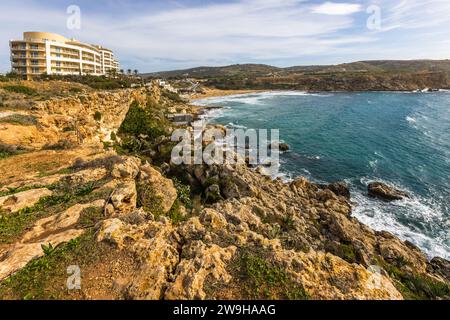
x=48, y=249
x=264, y=280
x=149, y=200
x=65, y=195
x=75, y=90
x=175, y=213
x=20, y=119
x=172, y=96
x=7, y=150
x=184, y=192
x=90, y=216
x=414, y=286
x=139, y=121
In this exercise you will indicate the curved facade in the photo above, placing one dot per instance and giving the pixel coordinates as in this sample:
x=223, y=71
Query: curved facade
x=43, y=52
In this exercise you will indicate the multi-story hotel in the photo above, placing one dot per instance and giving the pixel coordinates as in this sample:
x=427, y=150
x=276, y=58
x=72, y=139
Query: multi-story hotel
x=42, y=52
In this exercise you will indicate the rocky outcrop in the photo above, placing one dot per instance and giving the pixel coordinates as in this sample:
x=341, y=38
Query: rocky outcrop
x=300, y=231
x=384, y=192
x=156, y=188
x=50, y=231
x=86, y=118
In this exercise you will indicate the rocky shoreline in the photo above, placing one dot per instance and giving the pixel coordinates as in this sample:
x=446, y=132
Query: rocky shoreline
x=140, y=227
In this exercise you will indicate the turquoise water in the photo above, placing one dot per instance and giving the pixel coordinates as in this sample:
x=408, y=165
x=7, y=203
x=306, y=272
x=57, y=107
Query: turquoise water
x=401, y=139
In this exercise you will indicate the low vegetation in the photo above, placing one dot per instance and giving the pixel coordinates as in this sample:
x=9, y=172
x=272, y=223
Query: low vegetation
x=7, y=150
x=414, y=286
x=46, y=277
x=95, y=82
x=256, y=277
x=65, y=195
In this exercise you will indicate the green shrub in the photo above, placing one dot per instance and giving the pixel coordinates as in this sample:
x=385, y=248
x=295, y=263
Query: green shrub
x=264, y=280
x=20, y=89
x=172, y=96
x=140, y=121
x=7, y=150
x=184, y=193
x=75, y=90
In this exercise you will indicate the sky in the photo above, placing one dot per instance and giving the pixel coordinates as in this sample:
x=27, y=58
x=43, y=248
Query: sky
x=175, y=34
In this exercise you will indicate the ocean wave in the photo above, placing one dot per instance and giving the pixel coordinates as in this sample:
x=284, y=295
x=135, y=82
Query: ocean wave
x=394, y=216
x=254, y=98
x=235, y=126
x=411, y=119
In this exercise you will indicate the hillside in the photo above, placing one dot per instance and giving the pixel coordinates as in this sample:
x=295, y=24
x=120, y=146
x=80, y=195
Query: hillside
x=357, y=76
x=260, y=70
x=238, y=70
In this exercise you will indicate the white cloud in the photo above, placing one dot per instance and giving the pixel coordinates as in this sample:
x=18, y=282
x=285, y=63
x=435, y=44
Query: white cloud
x=261, y=31
x=332, y=8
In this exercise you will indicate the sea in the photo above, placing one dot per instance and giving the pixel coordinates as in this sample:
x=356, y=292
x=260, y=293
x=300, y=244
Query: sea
x=399, y=138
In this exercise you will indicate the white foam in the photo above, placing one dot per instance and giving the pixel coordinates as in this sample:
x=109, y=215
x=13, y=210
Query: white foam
x=254, y=98
x=381, y=215
x=411, y=119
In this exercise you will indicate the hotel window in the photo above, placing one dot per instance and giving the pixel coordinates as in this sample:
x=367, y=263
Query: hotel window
x=34, y=47
x=58, y=55
x=34, y=62
x=58, y=63
x=35, y=70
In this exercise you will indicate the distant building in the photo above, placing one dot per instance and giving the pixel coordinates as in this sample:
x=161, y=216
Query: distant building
x=167, y=86
x=42, y=52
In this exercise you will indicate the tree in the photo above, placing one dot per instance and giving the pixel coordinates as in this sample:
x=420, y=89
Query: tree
x=129, y=71
x=136, y=72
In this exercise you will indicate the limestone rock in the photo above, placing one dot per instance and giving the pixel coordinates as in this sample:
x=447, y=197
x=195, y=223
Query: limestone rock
x=162, y=188
x=128, y=169
x=440, y=267
x=124, y=197
x=385, y=192
x=58, y=222
x=201, y=261
x=21, y=200
x=328, y=277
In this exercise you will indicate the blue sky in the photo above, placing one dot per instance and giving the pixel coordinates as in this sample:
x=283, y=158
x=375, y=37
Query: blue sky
x=174, y=34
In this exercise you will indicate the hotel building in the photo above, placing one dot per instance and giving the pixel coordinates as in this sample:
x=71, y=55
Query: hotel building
x=42, y=52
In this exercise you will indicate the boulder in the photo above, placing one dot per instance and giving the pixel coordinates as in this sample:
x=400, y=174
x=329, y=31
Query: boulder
x=384, y=192
x=124, y=198
x=339, y=188
x=21, y=200
x=281, y=146
x=161, y=187
x=440, y=266
x=128, y=169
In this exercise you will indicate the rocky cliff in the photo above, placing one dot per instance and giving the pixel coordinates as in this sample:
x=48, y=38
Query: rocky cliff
x=139, y=227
